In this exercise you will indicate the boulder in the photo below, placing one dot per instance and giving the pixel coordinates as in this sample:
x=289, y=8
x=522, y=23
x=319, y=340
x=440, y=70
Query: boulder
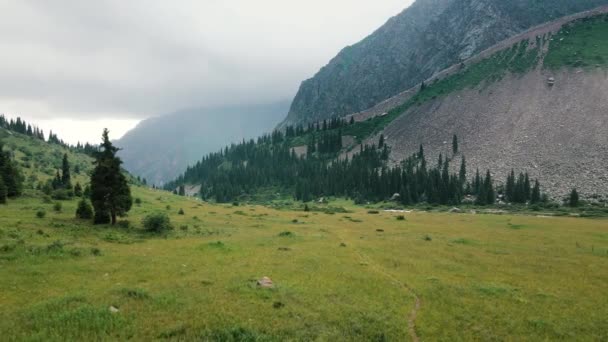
x=455, y=210
x=396, y=197
x=265, y=283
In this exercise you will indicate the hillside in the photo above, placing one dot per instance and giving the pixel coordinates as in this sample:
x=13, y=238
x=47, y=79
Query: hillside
x=510, y=115
x=39, y=161
x=158, y=149
x=424, y=39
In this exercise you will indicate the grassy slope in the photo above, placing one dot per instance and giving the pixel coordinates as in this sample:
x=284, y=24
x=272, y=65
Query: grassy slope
x=481, y=276
x=39, y=161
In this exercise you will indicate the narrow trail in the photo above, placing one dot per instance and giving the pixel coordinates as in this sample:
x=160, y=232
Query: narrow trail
x=411, y=319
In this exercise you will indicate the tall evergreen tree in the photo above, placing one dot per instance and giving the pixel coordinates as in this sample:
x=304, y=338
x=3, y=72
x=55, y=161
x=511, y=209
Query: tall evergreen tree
x=463, y=171
x=110, y=193
x=66, y=178
x=455, y=144
x=535, y=196
x=3, y=192
x=573, y=201
x=10, y=174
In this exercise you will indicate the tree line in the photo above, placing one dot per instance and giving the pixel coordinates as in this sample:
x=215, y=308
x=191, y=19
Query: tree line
x=246, y=168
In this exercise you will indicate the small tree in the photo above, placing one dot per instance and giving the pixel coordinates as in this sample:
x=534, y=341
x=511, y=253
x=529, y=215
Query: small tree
x=157, y=223
x=110, y=192
x=573, y=201
x=84, y=210
x=535, y=197
x=66, y=178
x=455, y=144
x=78, y=190
x=3, y=191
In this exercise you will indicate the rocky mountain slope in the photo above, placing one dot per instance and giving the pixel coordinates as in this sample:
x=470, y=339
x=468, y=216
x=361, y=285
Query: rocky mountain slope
x=539, y=106
x=412, y=46
x=160, y=148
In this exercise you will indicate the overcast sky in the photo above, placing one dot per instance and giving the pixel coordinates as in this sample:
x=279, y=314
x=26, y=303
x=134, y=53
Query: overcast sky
x=77, y=66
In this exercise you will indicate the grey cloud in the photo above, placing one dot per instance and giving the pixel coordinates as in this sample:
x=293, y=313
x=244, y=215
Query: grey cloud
x=141, y=58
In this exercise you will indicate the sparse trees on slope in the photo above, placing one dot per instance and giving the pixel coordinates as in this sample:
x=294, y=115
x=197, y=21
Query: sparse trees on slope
x=110, y=193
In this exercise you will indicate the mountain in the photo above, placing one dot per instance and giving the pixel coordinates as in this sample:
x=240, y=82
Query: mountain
x=159, y=148
x=536, y=102
x=424, y=39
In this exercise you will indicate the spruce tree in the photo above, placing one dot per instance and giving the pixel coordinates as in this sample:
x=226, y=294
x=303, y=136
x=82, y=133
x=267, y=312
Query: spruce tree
x=573, y=201
x=66, y=178
x=463, y=171
x=535, y=197
x=110, y=193
x=381, y=141
x=455, y=144
x=78, y=190
x=3, y=192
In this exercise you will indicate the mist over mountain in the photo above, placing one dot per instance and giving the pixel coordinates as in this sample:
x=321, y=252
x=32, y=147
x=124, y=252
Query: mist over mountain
x=412, y=46
x=160, y=148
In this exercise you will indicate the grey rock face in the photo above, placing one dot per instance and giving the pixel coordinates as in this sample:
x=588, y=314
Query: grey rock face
x=412, y=46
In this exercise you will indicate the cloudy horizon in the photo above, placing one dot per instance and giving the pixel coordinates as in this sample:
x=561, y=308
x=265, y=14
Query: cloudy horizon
x=73, y=67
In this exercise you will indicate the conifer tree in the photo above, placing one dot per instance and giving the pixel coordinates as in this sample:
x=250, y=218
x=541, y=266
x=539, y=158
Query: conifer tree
x=455, y=144
x=66, y=178
x=78, y=190
x=463, y=171
x=10, y=174
x=573, y=201
x=535, y=196
x=3, y=192
x=110, y=193
x=381, y=141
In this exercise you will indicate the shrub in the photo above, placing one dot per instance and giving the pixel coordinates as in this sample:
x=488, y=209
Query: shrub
x=157, y=223
x=138, y=201
x=124, y=224
x=428, y=238
x=57, y=207
x=84, y=210
x=41, y=213
x=62, y=194
x=373, y=212
x=287, y=234
x=400, y=218
x=181, y=212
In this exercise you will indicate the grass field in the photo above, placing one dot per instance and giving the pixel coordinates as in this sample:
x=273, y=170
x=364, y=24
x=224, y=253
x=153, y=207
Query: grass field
x=343, y=276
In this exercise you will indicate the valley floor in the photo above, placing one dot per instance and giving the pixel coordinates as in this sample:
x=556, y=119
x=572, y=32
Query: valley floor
x=343, y=276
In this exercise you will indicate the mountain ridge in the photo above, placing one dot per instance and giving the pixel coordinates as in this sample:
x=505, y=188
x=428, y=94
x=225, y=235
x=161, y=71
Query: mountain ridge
x=384, y=64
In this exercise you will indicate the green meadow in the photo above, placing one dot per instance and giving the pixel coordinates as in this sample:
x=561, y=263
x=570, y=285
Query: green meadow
x=349, y=274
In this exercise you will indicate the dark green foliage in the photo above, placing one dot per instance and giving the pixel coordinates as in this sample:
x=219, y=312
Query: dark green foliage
x=157, y=223
x=84, y=210
x=78, y=190
x=181, y=190
x=57, y=207
x=519, y=190
x=573, y=200
x=181, y=212
x=110, y=192
x=3, y=192
x=10, y=174
x=40, y=213
x=66, y=178
x=455, y=144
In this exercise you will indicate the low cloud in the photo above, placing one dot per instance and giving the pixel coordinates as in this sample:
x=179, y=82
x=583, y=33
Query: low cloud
x=118, y=59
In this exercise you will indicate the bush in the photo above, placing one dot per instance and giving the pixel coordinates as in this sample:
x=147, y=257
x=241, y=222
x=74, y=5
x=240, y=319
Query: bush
x=138, y=201
x=124, y=224
x=62, y=194
x=181, y=212
x=40, y=213
x=400, y=218
x=84, y=210
x=57, y=207
x=373, y=212
x=157, y=223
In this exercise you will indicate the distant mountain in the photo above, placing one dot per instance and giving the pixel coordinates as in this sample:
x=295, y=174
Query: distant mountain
x=161, y=148
x=424, y=39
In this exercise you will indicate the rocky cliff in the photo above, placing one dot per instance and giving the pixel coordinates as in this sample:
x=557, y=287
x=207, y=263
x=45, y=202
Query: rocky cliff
x=412, y=46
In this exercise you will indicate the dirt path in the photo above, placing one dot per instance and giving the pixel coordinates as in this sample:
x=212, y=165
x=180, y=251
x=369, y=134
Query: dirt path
x=411, y=319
